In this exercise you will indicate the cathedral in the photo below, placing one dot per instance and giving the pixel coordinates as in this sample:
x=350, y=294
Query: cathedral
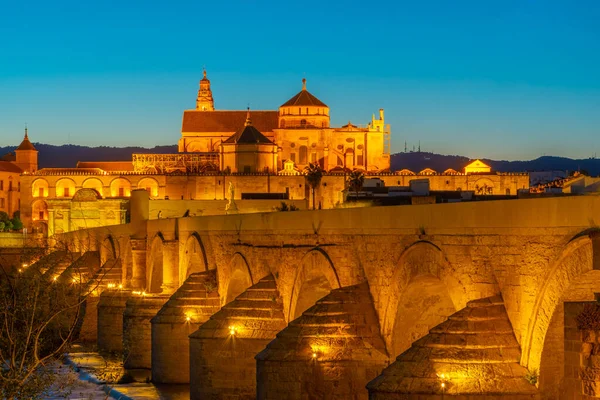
x=298, y=132
x=255, y=158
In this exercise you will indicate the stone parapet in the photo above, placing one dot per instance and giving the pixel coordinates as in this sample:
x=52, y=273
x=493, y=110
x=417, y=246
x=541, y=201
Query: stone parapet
x=137, y=331
x=331, y=351
x=191, y=305
x=222, y=350
x=474, y=355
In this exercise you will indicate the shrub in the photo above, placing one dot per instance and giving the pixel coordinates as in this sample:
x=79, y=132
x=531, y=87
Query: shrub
x=17, y=224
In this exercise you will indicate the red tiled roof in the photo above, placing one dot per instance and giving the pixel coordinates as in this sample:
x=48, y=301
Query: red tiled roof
x=26, y=145
x=227, y=121
x=9, y=157
x=9, y=167
x=107, y=165
x=304, y=98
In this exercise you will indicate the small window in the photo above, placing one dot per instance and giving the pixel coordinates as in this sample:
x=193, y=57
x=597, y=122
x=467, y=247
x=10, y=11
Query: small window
x=41, y=192
x=9, y=185
x=1, y=185
x=303, y=122
x=66, y=192
x=306, y=110
x=121, y=192
x=299, y=110
x=293, y=157
x=41, y=215
x=1, y=202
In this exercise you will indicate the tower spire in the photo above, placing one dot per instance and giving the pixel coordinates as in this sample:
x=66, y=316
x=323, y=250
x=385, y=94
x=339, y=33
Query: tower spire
x=248, y=120
x=26, y=137
x=303, y=83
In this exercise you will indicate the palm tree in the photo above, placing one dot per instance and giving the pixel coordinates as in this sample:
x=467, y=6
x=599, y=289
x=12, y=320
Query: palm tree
x=313, y=173
x=356, y=180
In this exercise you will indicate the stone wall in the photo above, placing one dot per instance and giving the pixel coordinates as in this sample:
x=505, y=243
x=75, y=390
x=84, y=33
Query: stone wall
x=582, y=353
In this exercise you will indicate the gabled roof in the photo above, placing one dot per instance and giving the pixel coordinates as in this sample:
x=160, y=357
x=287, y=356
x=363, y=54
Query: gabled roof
x=227, y=121
x=248, y=135
x=7, y=166
x=477, y=163
x=304, y=98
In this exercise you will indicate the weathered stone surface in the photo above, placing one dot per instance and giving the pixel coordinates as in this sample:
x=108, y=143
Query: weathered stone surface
x=473, y=354
x=110, y=319
x=331, y=351
x=191, y=305
x=222, y=350
x=137, y=331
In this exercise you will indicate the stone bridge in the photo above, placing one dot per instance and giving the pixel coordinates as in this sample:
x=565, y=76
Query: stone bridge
x=462, y=298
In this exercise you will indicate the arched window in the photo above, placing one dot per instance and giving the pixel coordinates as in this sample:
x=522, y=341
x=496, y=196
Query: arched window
x=282, y=123
x=302, y=122
x=303, y=153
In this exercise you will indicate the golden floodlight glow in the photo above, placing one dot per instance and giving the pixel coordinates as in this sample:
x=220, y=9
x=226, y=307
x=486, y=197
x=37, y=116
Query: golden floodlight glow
x=232, y=330
x=55, y=278
x=314, y=355
x=120, y=286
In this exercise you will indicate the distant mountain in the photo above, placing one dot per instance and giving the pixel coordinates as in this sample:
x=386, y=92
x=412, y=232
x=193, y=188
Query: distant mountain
x=67, y=155
x=417, y=161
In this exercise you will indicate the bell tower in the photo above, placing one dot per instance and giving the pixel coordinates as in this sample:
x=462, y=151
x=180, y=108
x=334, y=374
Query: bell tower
x=205, y=101
x=26, y=155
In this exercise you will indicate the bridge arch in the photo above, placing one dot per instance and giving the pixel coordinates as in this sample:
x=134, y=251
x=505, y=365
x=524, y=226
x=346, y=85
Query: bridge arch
x=422, y=293
x=315, y=278
x=108, y=249
x=573, y=270
x=194, y=259
x=155, y=265
x=237, y=280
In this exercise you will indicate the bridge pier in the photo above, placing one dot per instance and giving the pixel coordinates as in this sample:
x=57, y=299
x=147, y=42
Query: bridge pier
x=331, y=351
x=138, y=255
x=137, y=332
x=474, y=355
x=193, y=303
x=222, y=350
x=110, y=319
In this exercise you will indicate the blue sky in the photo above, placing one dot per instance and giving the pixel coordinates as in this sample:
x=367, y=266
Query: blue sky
x=498, y=79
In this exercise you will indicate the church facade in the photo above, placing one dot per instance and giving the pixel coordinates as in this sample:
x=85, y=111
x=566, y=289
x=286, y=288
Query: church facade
x=300, y=132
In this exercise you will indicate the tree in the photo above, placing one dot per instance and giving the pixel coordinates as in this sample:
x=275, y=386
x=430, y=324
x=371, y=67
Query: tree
x=8, y=226
x=314, y=174
x=4, y=216
x=41, y=311
x=356, y=180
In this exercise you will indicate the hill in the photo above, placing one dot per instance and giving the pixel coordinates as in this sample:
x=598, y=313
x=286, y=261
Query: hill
x=417, y=161
x=66, y=156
